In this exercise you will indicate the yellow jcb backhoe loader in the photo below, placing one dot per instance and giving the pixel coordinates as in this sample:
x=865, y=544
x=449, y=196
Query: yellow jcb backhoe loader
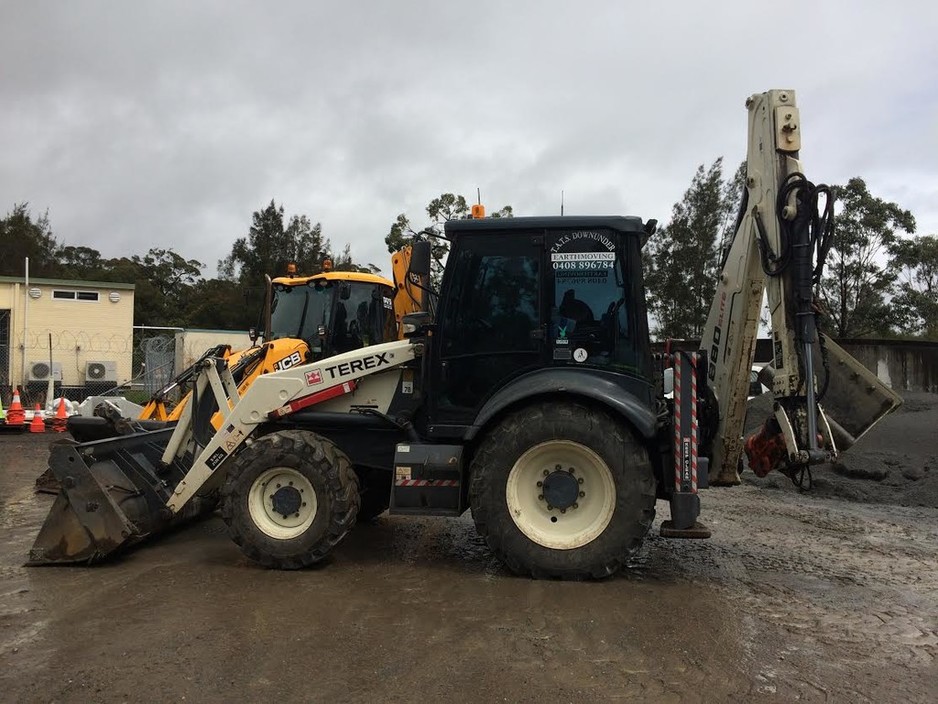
x=306, y=318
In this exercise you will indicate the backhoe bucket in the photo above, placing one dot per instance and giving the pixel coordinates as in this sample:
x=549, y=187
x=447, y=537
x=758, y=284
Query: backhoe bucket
x=113, y=495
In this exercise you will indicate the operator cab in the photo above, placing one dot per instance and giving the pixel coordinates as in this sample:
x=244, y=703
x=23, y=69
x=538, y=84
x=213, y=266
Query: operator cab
x=522, y=295
x=333, y=312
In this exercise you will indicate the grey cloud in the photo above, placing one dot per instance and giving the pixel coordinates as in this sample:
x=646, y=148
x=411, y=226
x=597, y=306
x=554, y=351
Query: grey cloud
x=139, y=124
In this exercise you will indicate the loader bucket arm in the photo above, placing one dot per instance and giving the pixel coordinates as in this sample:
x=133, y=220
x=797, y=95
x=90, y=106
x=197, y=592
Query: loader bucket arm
x=121, y=491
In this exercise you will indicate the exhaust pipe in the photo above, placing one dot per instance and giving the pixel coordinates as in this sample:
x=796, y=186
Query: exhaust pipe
x=113, y=495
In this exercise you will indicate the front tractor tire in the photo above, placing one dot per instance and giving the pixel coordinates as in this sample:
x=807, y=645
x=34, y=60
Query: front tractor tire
x=562, y=490
x=289, y=498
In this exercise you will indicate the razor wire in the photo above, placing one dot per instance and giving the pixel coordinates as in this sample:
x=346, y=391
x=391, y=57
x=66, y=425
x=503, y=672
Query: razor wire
x=80, y=340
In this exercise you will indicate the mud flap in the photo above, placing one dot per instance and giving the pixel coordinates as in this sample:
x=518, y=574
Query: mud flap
x=113, y=495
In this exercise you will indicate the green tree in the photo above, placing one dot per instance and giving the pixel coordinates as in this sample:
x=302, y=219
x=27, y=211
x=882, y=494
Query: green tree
x=23, y=236
x=223, y=305
x=344, y=262
x=270, y=246
x=857, y=280
x=915, y=303
x=682, y=259
x=164, y=282
x=446, y=206
x=79, y=262
x=733, y=190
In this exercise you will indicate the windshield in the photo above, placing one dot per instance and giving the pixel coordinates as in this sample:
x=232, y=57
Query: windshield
x=298, y=311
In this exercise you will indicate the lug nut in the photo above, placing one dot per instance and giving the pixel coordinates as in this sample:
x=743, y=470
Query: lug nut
x=278, y=486
x=540, y=483
x=563, y=510
x=576, y=505
x=549, y=507
x=297, y=515
x=557, y=467
x=580, y=480
x=540, y=497
x=546, y=472
x=582, y=494
x=291, y=483
x=570, y=470
x=304, y=503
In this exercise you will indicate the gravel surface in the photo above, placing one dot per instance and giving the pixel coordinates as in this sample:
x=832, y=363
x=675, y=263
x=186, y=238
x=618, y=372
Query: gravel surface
x=795, y=598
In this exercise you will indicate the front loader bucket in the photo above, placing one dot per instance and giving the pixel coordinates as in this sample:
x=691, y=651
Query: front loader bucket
x=86, y=429
x=113, y=495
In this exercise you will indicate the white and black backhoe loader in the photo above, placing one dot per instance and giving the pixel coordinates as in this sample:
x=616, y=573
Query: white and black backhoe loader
x=530, y=397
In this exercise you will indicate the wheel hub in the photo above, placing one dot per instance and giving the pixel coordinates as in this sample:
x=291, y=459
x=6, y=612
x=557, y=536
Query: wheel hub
x=561, y=489
x=286, y=500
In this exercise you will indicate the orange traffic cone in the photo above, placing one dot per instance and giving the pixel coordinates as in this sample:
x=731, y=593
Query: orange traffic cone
x=37, y=426
x=58, y=423
x=15, y=413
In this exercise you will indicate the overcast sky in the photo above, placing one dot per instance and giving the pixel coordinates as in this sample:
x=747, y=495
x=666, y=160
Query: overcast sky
x=167, y=124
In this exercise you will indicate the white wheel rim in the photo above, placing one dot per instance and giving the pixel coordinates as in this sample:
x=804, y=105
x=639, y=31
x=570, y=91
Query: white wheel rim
x=295, y=491
x=552, y=527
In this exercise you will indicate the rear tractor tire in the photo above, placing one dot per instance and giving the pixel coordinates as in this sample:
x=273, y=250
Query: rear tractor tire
x=289, y=498
x=562, y=490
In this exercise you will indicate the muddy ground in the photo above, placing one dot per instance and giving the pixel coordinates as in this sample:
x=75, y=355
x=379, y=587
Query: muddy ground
x=795, y=597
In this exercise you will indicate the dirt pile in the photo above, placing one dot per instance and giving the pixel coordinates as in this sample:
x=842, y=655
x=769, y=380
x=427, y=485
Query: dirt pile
x=894, y=463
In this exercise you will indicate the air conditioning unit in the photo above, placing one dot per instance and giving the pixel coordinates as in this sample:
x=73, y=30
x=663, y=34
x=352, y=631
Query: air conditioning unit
x=40, y=371
x=101, y=371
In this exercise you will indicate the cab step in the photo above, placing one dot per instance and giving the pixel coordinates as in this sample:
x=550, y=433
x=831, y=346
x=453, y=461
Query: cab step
x=698, y=531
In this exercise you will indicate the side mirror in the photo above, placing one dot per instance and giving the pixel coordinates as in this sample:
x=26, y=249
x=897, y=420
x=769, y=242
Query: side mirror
x=416, y=324
x=668, y=382
x=419, y=258
x=253, y=334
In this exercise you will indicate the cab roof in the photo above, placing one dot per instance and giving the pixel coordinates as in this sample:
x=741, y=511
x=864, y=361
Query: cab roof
x=359, y=276
x=629, y=224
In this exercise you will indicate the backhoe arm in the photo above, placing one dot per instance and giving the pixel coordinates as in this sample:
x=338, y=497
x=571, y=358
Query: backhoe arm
x=779, y=248
x=408, y=297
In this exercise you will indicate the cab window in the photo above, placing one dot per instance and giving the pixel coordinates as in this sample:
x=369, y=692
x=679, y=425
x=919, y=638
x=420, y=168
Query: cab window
x=590, y=316
x=299, y=311
x=361, y=317
x=495, y=302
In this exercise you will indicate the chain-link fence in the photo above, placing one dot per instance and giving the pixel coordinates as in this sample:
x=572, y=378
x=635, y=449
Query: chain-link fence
x=87, y=363
x=159, y=362
x=80, y=363
x=5, y=389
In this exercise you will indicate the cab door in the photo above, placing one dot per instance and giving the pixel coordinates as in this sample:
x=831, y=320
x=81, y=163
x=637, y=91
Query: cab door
x=492, y=327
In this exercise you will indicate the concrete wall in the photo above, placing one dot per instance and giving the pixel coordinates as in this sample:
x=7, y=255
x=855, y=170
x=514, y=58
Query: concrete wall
x=191, y=344
x=903, y=365
x=82, y=331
